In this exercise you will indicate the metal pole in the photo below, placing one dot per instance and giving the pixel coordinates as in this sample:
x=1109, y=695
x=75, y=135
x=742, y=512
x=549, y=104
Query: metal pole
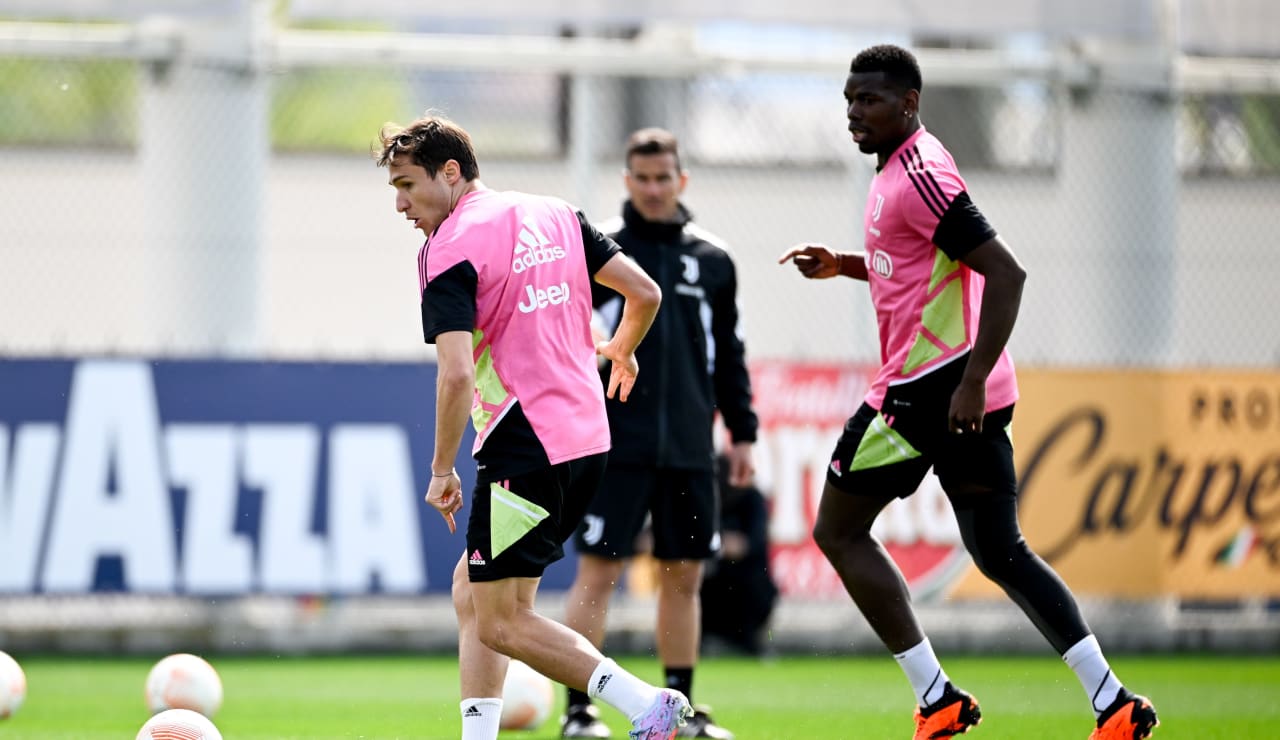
x=583, y=122
x=203, y=151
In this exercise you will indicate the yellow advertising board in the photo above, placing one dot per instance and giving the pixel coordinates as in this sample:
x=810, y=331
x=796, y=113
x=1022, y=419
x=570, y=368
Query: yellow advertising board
x=1143, y=483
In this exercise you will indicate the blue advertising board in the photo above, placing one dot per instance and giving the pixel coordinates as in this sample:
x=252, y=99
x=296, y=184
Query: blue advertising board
x=223, y=478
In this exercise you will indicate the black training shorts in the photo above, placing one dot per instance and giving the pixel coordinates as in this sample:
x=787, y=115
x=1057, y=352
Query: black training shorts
x=518, y=525
x=888, y=452
x=682, y=506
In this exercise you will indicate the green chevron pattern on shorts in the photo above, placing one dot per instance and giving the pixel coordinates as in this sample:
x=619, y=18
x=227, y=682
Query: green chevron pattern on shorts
x=510, y=518
x=881, y=445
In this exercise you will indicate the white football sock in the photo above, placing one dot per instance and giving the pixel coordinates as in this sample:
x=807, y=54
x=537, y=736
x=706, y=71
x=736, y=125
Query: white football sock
x=481, y=718
x=1086, y=659
x=924, y=672
x=620, y=690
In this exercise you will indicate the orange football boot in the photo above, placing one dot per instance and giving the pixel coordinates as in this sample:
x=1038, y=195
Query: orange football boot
x=952, y=714
x=1130, y=717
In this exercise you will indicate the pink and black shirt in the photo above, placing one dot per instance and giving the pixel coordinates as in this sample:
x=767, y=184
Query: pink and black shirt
x=919, y=223
x=515, y=270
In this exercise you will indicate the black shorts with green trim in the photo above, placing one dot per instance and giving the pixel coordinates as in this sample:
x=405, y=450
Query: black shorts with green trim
x=518, y=524
x=887, y=452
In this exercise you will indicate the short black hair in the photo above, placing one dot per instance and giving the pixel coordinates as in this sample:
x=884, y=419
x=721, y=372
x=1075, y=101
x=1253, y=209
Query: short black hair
x=653, y=140
x=898, y=65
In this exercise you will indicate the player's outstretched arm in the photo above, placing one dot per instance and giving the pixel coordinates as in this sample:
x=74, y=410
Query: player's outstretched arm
x=455, y=383
x=818, y=261
x=641, y=298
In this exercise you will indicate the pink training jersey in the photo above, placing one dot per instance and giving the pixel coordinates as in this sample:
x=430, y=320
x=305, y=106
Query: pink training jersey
x=926, y=304
x=532, y=342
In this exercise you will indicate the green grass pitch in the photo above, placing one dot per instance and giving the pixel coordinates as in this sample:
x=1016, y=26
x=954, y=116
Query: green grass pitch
x=841, y=698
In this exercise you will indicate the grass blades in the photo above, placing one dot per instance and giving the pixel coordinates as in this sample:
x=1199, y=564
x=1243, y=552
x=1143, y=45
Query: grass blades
x=863, y=697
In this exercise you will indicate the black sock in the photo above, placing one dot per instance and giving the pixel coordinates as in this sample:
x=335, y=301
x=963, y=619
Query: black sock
x=577, y=698
x=681, y=679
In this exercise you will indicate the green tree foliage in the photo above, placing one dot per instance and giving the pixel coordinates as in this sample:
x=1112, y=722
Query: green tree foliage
x=58, y=103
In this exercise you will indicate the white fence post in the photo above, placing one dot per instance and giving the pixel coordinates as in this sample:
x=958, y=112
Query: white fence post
x=203, y=147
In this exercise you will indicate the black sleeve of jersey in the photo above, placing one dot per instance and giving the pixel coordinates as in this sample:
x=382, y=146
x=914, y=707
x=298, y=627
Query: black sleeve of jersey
x=600, y=248
x=729, y=376
x=962, y=228
x=449, y=302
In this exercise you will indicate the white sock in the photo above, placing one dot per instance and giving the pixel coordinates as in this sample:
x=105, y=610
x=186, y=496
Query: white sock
x=481, y=718
x=924, y=672
x=620, y=690
x=1086, y=659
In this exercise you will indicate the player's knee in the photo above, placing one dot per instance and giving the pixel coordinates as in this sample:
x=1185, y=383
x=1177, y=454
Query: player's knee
x=993, y=562
x=461, y=593
x=832, y=540
x=495, y=634
x=598, y=576
x=997, y=547
x=679, y=578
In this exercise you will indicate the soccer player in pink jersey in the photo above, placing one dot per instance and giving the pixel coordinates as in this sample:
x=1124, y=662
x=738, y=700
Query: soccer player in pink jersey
x=946, y=290
x=505, y=281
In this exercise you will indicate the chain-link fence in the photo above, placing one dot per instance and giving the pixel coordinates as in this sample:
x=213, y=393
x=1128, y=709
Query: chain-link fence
x=1146, y=219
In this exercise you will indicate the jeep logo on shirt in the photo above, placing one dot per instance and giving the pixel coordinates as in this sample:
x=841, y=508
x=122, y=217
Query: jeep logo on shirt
x=552, y=295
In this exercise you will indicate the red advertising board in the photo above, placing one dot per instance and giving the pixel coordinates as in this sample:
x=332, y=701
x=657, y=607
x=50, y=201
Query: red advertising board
x=802, y=409
x=1174, y=474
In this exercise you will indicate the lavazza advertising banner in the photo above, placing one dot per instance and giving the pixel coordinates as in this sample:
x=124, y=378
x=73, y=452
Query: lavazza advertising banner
x=220, y=478
x=228, y=477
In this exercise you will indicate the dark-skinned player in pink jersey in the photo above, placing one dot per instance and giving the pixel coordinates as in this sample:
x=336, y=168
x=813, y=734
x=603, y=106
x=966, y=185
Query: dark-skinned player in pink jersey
x=946, y=290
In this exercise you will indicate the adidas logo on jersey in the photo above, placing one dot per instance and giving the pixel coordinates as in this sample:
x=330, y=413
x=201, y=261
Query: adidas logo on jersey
x=534, y=256
x=476, y=558
x=533, y=248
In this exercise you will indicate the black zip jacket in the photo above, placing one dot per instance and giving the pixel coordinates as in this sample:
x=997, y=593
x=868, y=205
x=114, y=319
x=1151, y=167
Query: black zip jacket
x=692, y=361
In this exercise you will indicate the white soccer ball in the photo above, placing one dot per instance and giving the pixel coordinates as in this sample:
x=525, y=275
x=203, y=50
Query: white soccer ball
x=527, y=697
x=13, y=685
x=184, y=681
x=179, y=724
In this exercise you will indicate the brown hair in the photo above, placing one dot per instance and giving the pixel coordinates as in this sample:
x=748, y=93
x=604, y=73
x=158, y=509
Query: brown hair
x=653, y=141
x=429, y=141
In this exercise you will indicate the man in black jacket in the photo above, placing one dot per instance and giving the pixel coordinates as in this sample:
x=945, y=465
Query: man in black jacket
x=663, y=460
